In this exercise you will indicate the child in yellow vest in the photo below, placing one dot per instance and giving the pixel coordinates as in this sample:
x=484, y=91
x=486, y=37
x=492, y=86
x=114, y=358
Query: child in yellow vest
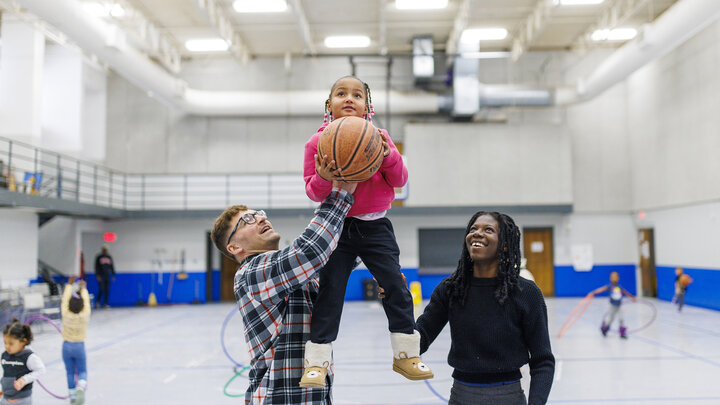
x=75, y=306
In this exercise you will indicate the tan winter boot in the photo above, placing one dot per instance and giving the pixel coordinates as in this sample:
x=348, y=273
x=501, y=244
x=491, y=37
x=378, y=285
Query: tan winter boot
x=406, y=356
x=317, y=361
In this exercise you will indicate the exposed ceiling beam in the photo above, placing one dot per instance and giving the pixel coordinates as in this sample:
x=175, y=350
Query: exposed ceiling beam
x=218, y=19
x=533, y=26
x=611, y=17
x=462, y=19
x=382, y=28
x=303, y=26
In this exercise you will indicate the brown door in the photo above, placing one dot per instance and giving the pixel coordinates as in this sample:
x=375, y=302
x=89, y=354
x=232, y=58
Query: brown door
x=538, y=250
x=227, y=279
x=648, y=278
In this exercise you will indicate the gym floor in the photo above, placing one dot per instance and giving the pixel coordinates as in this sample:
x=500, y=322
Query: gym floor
x=173, y=355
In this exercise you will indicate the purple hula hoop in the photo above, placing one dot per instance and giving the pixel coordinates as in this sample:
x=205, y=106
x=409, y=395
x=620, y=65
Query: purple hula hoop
x=652, y=318
x=51, y=322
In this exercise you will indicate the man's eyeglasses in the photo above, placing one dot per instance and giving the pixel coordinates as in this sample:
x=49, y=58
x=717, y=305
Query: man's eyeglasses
x=249, y=218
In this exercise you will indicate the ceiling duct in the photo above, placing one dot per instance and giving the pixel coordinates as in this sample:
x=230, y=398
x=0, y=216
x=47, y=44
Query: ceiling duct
x=675, y=26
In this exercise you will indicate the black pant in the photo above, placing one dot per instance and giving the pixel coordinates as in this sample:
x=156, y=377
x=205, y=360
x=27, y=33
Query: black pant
x=374, y=242
x=509, y=394
x=103, y=290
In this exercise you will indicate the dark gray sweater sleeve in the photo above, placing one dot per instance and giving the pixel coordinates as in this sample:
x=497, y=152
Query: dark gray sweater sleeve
x=537, y=339
x=434, y=318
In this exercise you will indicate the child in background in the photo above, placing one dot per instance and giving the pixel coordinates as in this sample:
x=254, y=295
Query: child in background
x=368, y=234
x=682, y=281
x=616, y=295
x=75, y=309
x=20, y=365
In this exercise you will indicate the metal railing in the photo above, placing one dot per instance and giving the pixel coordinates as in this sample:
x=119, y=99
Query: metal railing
x=50, y=174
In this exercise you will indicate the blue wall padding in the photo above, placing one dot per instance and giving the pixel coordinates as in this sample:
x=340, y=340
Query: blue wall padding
x=703, y=292
x=571, y=283
x=216, y=285
x=125, y=290
x=429, y=282
x=354, y=290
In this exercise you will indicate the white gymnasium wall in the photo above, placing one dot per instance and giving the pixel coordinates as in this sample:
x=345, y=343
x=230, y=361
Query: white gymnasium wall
x=18, y=247
x=601, y=161
x=155, y=245
x=58, y=244
x=144, y=135
x=686, y=236
x=673, y=126
x=488, y=164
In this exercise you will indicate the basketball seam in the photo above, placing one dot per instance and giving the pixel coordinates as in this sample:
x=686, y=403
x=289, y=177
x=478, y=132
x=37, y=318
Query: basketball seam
x=334, y=140
x=357, y=147
x=365, y=168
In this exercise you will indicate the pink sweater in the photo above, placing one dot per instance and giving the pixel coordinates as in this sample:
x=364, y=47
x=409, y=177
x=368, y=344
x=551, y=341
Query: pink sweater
x=372, y=195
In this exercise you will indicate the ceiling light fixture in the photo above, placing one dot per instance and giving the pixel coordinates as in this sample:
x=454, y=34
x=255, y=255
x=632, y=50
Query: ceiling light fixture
x=206, y=45
x=257, y=6
x=615, y=34
x=420, y=4
x=483, y=34
x=347, y=41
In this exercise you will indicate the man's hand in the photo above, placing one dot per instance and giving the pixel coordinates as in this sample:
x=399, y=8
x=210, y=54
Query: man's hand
x=326, y=169
x=349, y=187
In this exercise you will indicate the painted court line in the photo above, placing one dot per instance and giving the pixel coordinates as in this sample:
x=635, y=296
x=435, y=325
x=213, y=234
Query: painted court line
x=673, y=349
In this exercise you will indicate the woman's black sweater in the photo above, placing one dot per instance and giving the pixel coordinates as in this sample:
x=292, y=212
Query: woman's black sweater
x=491, y=342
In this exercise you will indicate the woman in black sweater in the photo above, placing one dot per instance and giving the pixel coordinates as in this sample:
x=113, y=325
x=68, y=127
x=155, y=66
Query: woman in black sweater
x=498, y=321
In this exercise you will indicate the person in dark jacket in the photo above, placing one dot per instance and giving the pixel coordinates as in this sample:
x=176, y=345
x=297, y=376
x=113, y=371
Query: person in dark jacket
x=104, y=271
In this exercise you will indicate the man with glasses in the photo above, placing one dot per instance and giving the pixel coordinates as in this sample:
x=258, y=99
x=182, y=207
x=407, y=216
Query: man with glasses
x=275, y=290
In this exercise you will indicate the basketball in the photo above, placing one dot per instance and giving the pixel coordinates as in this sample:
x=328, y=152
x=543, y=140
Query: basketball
x=355, y=145
x=685, y=280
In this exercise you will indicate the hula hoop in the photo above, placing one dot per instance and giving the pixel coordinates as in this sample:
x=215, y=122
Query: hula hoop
x=237, y=374
x=51, y=322
x=222, y=336
x=585, y=304
x=647, y=324
x=430, y=387
x=572, y=318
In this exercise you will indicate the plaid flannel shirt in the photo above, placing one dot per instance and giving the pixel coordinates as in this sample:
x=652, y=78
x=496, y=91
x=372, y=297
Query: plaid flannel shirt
x=275, y=291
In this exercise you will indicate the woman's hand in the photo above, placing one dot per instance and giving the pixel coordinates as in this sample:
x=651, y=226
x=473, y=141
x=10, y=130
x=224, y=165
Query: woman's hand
x=326, y=169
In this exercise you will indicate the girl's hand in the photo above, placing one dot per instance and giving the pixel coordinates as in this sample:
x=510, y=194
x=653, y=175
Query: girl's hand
x=326, y=169
x=71, y=279
x=19, y=383
x=385, y=145
x=82, y=284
